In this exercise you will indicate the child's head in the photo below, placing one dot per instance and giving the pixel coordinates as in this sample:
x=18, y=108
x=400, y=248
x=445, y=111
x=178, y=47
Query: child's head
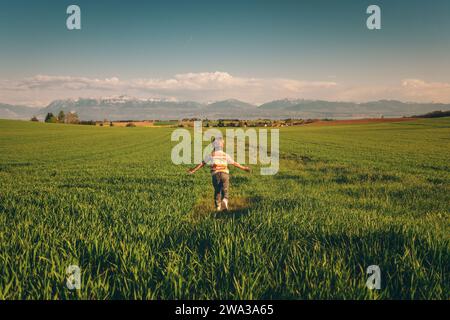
x=218, y=143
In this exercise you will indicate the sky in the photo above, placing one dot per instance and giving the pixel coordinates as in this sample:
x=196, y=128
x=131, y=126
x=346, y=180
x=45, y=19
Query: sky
x=252, y=50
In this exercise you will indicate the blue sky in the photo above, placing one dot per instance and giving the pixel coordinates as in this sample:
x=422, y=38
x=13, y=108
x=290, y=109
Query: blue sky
x=209, y=50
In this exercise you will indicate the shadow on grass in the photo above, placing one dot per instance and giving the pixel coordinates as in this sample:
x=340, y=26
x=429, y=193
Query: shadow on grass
x=237, y=207
x=232, y=214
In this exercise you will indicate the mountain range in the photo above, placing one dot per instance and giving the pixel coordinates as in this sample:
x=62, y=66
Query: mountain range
x=128, y=108
x=8, y=111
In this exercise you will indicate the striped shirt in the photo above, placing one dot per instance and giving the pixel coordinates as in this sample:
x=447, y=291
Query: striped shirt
x=218, y=161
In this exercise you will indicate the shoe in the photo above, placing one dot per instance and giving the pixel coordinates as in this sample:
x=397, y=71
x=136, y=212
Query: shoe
x=225, y=204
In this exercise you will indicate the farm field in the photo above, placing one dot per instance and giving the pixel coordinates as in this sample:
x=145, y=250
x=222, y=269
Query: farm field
x=109, y=200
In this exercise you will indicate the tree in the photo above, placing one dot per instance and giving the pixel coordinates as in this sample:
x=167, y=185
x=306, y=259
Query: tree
x=72, y=118
x=50, y=118
x=61, y=117
x=34, y=119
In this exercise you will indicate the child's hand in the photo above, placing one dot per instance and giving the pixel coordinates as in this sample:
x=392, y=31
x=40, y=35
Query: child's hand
x=248, y=169
x=190, y=171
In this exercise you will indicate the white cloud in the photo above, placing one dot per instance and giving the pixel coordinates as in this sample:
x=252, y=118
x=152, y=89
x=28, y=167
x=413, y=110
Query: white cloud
x=208, y=86
x=194, y=82
x=417, y=89
x=414, y=90
x=73, y=83
x=203, y=86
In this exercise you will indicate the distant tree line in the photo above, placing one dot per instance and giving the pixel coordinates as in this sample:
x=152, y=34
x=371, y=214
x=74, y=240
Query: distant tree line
x=69, y=118
x=434, y=114
x=72, y=118
x=245, y=123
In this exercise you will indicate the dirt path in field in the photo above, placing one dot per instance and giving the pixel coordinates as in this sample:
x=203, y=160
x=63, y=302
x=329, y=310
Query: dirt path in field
x=237, y=207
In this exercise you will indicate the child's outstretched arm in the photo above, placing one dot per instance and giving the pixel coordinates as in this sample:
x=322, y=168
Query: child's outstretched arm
x=237, y=165
x=197, y=167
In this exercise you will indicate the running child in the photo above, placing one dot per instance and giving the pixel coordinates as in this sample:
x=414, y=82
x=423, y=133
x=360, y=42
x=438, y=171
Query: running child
x=218, y=161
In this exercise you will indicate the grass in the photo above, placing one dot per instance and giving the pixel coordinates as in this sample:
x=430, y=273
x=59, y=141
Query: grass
x=165, y=123
x=111, y=201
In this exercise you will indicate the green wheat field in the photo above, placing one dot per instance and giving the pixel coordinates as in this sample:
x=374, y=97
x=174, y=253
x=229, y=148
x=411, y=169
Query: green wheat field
x=110, y=201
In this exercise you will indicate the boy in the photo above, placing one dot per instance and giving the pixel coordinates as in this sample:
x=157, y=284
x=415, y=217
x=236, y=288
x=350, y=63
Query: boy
x=218, y=160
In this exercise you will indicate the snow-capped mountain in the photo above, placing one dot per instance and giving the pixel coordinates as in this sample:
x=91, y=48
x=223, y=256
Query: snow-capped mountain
x=130, y=108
